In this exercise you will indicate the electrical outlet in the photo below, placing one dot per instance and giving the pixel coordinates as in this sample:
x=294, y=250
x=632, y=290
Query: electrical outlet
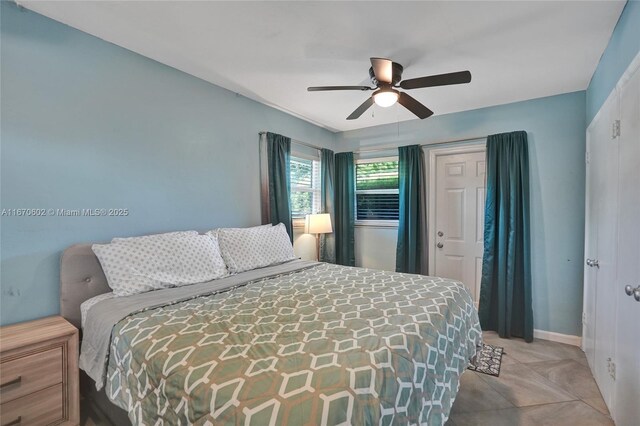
x=11, y=292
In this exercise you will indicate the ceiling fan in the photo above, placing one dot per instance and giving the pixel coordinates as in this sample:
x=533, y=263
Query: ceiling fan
x=386, y=75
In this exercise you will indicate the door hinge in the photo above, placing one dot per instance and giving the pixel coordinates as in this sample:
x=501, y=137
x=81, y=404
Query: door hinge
x=611, y=368
x=584, y=318
x=615, y=131
x=587, y=157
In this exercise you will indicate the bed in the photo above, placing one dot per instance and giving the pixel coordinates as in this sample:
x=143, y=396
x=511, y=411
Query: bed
x=301, y=343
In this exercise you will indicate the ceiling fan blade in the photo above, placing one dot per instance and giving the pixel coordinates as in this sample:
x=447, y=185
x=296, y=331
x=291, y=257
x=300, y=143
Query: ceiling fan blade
x=325, y=88
x=414, y=106
x=382, y=69
x=361, y=109
x=460, y=77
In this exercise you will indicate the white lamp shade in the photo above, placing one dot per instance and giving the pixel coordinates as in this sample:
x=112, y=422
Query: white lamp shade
x=318, y=223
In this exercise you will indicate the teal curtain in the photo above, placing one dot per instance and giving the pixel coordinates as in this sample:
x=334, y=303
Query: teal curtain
x=278, y=159
x=505, y=292
x=327, y=196
x=345, y=209
x=411, y=251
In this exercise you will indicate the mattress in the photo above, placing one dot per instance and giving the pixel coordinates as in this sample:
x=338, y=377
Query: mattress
x=301, y=343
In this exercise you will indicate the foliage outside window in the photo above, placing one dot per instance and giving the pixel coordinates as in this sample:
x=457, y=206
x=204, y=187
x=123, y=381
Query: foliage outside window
x=305, y=186
x=377, y=189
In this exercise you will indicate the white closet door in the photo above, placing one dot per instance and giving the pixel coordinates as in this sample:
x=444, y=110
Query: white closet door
x=603, y=162
x=626, y=407
x=591, y=248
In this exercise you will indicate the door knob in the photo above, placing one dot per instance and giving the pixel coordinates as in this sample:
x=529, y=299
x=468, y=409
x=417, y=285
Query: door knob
x=635, y=292
x=593, y=262
x=440, y=234
x=439, y=245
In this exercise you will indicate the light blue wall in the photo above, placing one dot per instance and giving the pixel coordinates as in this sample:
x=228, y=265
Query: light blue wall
x=556, y=130
x=86, y=124
x=623, y=46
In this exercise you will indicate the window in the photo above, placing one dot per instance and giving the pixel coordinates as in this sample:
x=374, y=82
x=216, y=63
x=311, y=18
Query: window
x=377, y=189
x=305, y=186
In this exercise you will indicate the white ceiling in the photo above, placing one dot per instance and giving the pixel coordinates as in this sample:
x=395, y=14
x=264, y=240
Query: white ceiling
x=271, y=51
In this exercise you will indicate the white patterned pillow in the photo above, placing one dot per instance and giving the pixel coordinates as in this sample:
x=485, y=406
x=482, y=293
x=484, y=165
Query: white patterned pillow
x=244, y=249
x=151, y=237
x=153, y=262
x=214, y=232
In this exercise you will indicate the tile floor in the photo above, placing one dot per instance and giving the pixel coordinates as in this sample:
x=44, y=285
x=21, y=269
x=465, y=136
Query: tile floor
x=540, y=383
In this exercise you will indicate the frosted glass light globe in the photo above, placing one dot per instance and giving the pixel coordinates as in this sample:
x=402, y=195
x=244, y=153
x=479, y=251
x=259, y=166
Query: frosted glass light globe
x=386, y=98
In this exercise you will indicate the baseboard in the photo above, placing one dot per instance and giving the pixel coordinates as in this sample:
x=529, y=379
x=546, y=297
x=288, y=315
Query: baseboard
x=558, y=337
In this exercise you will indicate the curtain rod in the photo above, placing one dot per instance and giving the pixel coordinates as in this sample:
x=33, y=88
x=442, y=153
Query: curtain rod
x=359, y=151
x=385, y=148
x=299, y=142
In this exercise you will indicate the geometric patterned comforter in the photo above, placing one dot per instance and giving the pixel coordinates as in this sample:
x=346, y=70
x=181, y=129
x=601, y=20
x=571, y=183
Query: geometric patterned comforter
x=325, y=345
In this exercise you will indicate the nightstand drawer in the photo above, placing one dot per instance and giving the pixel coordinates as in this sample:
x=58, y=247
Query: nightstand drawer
x=25, y=375
x=40, y=408
x=39, y=373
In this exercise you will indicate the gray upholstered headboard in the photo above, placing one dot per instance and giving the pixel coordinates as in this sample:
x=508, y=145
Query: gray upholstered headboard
x=81, y=278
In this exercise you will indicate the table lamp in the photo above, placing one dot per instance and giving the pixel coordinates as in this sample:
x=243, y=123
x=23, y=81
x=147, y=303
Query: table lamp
x=317, y=224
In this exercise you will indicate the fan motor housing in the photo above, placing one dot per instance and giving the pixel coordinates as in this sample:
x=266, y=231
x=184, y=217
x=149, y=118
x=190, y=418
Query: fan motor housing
x=396, y=70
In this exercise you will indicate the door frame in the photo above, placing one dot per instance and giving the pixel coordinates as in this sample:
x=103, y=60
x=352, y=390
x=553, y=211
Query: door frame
x=479, y=145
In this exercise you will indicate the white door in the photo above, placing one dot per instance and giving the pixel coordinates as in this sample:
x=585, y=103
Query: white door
x=589, y=297
x=603, y=167
x=626, y=407
x=459, y=221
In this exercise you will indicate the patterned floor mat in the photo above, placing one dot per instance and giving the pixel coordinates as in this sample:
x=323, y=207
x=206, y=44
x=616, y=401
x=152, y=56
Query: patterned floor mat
x=488, y=360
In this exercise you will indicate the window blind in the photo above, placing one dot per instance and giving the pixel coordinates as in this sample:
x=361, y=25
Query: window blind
x=377, y=190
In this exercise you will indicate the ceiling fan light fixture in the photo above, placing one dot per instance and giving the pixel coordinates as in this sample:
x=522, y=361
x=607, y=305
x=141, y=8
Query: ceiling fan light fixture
x=386, y=97
x=385, y=75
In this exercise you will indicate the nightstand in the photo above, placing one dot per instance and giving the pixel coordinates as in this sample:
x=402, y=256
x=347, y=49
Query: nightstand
x=39, y=373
